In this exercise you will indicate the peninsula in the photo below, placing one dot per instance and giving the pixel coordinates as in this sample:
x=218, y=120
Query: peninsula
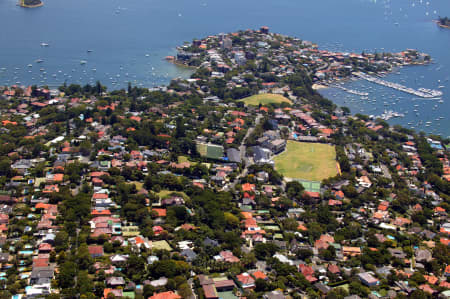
x=30, y=3
x=278, y=56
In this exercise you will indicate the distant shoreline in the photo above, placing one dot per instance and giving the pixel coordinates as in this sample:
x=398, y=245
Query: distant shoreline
x=21, y=4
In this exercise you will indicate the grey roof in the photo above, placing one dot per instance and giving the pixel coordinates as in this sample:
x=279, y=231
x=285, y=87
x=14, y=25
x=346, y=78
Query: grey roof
x=210, y=242
x=274, y=295
x=115, y=281
x=260, y=153
x=42, y=272
x=323, y=288
x=234, y=155
x=189, y=254
x=162, y=281
x=423, y=255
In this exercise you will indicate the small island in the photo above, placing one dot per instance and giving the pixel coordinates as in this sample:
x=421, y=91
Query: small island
x=443, y=22
x=30, y=3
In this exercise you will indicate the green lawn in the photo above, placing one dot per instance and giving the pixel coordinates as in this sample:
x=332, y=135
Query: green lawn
x=212, y=151
x=308, y=161
x=265, y=99
x=182, y=159
x=139, y=185
x=166, y=193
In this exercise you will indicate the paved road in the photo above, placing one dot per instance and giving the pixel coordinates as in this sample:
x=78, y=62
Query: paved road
x=243, y=150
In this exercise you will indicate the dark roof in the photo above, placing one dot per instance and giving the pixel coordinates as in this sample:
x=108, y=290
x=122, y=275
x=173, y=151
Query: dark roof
x=234, y=155
x=210, y=291
x=210, y=242
x=260, y=154
x=204, y=280
x=323, y=288
x=5, y=198
x=224, y=283
x=42, y=272
x=274, y=295
x=189, y=254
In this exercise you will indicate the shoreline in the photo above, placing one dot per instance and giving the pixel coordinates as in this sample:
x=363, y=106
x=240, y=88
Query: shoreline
x=319, y=86
x=179, y=64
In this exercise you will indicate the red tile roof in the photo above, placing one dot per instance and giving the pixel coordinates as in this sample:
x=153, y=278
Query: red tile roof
x=160, y=212
x=165, y=295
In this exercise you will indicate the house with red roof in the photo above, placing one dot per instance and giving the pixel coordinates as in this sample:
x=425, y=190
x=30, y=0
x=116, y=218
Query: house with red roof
x=259, y=275
x=334, y=269
x=228, y=256
x=165, y=295
x=157, y=230
x=95, y=251
x=118, y=293
x=426, y=288
x=45, y=248
x=247, y=187
x=4, y=218
x=105, y=213
x=100, y=196
x=246, y=280
x=447, y=271
x=160, y=212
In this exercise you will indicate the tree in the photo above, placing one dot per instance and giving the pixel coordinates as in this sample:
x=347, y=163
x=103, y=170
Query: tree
x=231, y=220
x=265, y=250
x=184, y=290
x=261, y=285
x=85, y=284
x=337, y=293
x=357, y=288
x=135, y=266
x=290, y=224
x=84, y=259
x=61, y=240
x=294, y=190
x=329, y=253
x=67, y=274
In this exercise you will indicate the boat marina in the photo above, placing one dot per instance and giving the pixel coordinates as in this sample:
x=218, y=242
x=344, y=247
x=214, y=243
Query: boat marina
x=387, y=115
x=421, y=92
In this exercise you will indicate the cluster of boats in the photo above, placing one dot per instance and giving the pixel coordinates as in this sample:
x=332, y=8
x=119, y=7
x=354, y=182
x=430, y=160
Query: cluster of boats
x=421, y=92
x=393, y=104
x=39, y=73
x=387, y=115
x=352, y=91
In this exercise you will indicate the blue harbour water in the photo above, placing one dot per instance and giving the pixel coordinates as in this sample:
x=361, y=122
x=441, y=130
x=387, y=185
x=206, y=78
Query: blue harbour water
x=129, y=40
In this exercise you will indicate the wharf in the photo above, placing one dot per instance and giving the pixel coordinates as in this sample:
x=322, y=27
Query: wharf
x=421, y=92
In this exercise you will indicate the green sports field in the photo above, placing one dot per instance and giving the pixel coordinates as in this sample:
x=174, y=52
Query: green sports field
x=212, y=151
x=308, y=161
x=264, y=99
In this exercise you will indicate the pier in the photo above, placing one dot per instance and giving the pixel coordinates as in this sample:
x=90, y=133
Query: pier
x=421, y=92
